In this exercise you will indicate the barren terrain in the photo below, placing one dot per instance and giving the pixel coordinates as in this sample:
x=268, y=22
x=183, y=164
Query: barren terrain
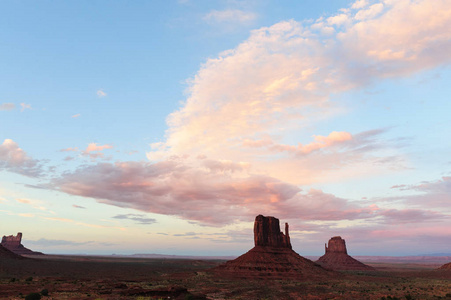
x=84, y=277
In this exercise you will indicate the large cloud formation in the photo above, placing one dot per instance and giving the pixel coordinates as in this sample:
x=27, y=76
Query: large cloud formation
x=229, y=151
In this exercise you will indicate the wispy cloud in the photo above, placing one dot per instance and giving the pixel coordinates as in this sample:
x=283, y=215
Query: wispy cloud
x=78, y=206
x=7, y=106
x=230, y=16
x=93, y=147
x=76, y=116
x=138, y=218
x=24, y=106
x=100, y=93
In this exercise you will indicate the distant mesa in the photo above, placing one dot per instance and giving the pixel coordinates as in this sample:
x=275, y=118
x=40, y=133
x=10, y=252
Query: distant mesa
x=272, y=255
x=14, y=244
x=5, y=253
x=337, y=258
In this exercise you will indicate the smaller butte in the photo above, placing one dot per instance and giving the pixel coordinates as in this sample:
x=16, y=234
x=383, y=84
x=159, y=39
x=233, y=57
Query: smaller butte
x=14, y=244
x=337, y=258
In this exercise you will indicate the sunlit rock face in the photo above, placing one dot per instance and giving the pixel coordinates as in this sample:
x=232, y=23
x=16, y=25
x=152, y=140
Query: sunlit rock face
x=336, y=245
x=14, y=244
x=272, y=256
x=267, y=233
x=337, y=258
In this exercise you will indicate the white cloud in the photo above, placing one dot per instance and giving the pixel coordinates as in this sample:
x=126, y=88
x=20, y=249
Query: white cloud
x=24, y=106
x=101, y=93
x=359, y=4
x=76, y=116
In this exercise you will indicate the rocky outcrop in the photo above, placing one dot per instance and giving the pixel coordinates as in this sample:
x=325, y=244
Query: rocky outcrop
x=272, y=256
x=5, y=253
x=267, y=233
x=446, y=267
x=14, y=244
x=337, y=258
x=336, y=245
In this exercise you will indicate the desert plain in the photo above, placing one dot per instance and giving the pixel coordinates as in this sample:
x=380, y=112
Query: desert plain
x=111, y=277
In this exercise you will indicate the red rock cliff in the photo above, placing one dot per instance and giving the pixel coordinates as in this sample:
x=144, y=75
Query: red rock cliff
x=12, y=241
x=267, y=233
x=336, y=245
x=14, y=244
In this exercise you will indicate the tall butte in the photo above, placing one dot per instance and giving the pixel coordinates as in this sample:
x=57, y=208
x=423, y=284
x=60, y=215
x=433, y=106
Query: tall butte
x=272, y=255
x=14, y=244
x=337, y=258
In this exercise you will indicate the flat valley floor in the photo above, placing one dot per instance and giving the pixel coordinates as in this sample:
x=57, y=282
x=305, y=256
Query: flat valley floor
x=85, y=277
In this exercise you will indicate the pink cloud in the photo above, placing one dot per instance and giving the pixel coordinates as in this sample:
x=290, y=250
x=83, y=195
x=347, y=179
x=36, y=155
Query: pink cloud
x=92, y=147
x=212, y=196
x=14, y=159
x=7, y=106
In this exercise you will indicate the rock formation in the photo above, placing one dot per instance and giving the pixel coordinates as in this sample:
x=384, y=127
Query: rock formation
x=14, y=244
x=5, y=253
x=272, y=256
x=446, y=267
x=267, y=233
x=337, y=258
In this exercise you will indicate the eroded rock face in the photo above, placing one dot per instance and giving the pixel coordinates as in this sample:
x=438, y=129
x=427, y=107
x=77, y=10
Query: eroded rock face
x=336, y=245
x=272, y=256
x=14, y=244
x=12, y=241
x=337, y=258
x=267, y=233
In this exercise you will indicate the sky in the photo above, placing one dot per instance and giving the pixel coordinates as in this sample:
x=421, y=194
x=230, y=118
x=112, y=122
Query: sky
x=167, y=126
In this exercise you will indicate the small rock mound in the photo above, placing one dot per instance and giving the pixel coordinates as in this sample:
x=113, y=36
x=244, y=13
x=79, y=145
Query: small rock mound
x=337, y=258
x=14, y=244
x=272, y=256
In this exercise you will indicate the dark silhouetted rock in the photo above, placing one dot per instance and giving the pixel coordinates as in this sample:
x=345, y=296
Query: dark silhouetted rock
x=272, y=256
x=267, y=233
x=14, y=244
x=5, y=253
x=337, y=258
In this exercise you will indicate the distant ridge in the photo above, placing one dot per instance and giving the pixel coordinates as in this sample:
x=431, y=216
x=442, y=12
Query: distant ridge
x=144, y=255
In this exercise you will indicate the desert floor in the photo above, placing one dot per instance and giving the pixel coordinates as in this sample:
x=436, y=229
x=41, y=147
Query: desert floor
x=84, y=277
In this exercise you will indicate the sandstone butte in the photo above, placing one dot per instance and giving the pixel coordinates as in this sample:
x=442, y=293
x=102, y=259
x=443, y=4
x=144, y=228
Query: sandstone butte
x=337, y=258
x=14, y=244
x=272, y=256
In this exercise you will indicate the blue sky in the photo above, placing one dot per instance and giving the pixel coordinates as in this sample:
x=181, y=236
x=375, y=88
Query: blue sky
x=167, y=126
